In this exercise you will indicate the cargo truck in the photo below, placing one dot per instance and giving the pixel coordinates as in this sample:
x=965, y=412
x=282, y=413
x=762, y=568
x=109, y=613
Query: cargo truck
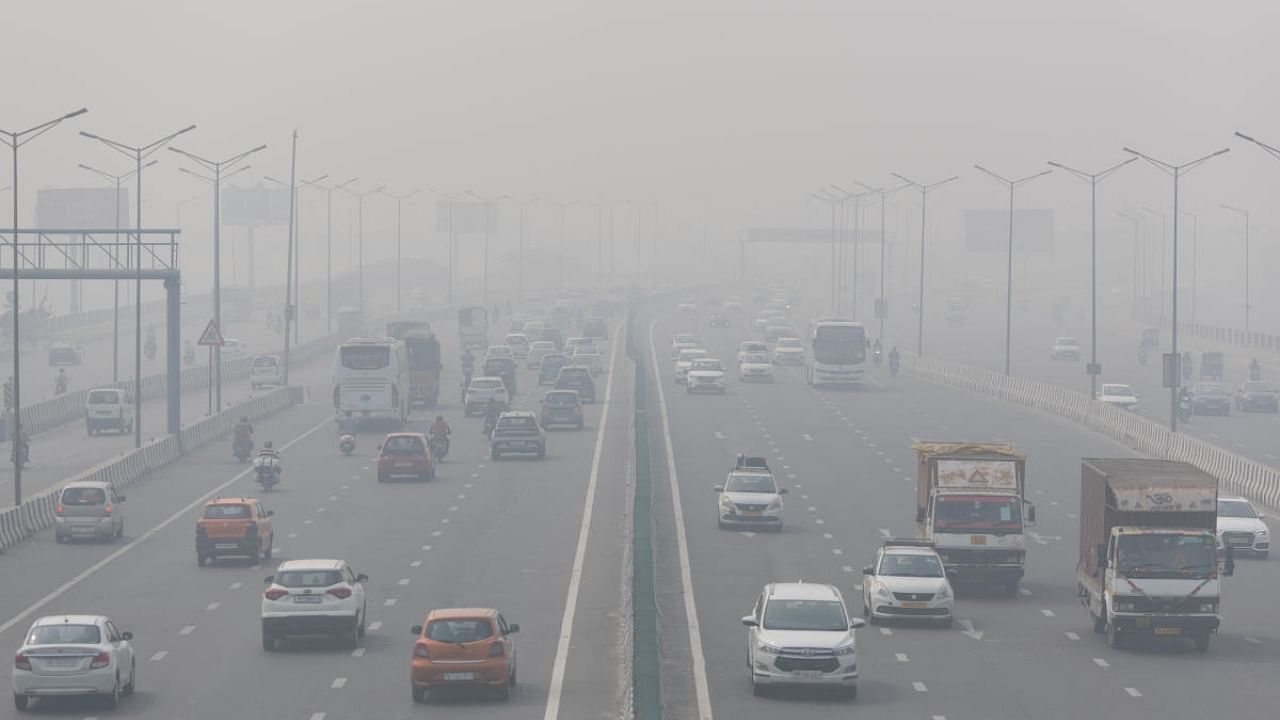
x=473, y=328
x=1149, y=558
x=424, y=360
x=971, y=504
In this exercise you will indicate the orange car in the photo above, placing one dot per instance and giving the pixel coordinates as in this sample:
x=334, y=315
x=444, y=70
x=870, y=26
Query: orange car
x=234, y=526
x=464, y=647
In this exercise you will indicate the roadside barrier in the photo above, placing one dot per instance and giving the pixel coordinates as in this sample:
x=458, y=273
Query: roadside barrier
x=1236, y=473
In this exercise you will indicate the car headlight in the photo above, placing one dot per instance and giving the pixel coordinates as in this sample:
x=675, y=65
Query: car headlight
x=767, y=649
x=944, y=592
x=1209, y=607
x=1126, y=606
x=883, y=592
x=726, y=503
x=775, y=504
x=1260, y=532
x=844, y=650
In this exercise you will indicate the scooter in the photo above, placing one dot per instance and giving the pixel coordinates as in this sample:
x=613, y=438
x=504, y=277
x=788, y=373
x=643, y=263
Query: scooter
x=439, y=447
x=347, y=443
x=878, y=356
x=242, y=450
x=60, y=386
x=1184, y=410
x=893, y=367
x=268, y=471
x=1142, y=356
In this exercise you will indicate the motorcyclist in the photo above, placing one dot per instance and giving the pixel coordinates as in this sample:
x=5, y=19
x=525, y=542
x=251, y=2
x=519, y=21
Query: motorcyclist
x=491, y=415
x=60, y=382
x=1184, y=404
x=440, y=428
x=1255, y=370
x=468, y=362
x=347, y=423
x=269, y=453
x=894, y=357
x=878, y=351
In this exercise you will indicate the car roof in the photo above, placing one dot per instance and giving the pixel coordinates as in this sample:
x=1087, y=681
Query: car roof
x=494, y=378
x=404, y=434
x=87, y=484
x=803, y=591
x=74, y=619
x=561, y=391
x=517, y=414
x=232, y=501
x=461, y=613
x=909, y=550
x=315, y=564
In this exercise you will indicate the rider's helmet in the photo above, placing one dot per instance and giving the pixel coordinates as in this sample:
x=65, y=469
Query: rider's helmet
x=439, y=418
x=267, y=445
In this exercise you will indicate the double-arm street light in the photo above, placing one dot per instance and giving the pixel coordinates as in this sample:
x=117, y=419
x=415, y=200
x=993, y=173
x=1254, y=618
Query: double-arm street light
x=835, y=200
x=138, y=153
x=215, y=167
x=328, y=251
x=1244, y=214
x=117, y=180
x=1094, y=368
x=14, y=141
x=451, y=199
x=639, y=208
x=882, y=309
x=399, y=273
x=1012, y=184
x=1164, y=240
x=488, y=233
x=924, y=189
x=360, y=196
x=293, y=270
x=1173, y=374
x=842, y=249
x=1274, y=152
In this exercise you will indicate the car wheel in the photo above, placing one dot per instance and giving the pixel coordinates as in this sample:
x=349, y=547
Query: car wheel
x=494, y=455
x=351, y=637
x=382, y=478
x=419, y=695
x=756, y=688
x=112, y=699
x=201, y=560
x=130, y=686
x=59, y=538
x=271, y=542
x=269, y=642
x=542, y=452
x=504, y=692
x=21, y=702
x=1115, y=640
x=364, y=616
x=852, y=692
x=120, y=530
x=1201, y=642
x=945, y=623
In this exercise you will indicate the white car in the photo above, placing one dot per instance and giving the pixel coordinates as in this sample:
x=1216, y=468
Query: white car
x=266, y=371
x=1121, y=396
x=1065, y=348
x=519, y=344
x=481, y=392
x=537, y=350
x=65, y=655
x=682, y=341
x=800, y=633
x=763, y=317
x=574, y=343
x=755, y=367
x=533, y=329
x=751, y=346
x=313, y=598
x=907, y=581
x=750, y=497
x=499, y=351
x=589, y=359
x=686, y=359
x=232, y=348
x=789, y=351
x=705, y=375
x=686, y=308
x=1241, y=528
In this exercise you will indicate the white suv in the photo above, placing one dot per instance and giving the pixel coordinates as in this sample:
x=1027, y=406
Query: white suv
x=907, y=581
x=801, y=634
x=313, y=597
x=481, y=392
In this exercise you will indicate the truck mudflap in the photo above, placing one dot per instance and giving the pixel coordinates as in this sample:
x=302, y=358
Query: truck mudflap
x=984, y=573
x=1166, y=625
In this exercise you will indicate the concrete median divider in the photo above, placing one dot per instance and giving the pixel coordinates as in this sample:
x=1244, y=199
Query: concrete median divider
x=1236, y=473
x=37, y=512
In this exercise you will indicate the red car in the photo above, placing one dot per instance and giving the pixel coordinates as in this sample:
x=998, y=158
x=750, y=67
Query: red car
x=405, y=454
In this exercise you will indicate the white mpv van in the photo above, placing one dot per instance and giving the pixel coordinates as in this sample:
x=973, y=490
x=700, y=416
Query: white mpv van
x=108, y=408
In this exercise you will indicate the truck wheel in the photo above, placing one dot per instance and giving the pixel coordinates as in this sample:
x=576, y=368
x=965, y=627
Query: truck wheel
x=1011, y=589
x=1100, y=623
x=1201, y=642
x=1115, y=639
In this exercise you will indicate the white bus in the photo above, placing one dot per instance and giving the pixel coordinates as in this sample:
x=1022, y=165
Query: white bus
x=839, y=352
x=371, y=379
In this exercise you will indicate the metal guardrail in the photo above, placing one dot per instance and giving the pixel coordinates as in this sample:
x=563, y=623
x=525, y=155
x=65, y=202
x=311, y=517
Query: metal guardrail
x=1235, y=473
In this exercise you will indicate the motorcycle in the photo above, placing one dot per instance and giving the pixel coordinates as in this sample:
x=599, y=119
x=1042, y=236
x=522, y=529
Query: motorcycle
x=241, y=450
x=1184, y=410
x=1142, y=356
x=878, y=356
x=60, y=386
x=490, y=420
x=268, y=471
x=439, y=447
x=347, y=443
x=893, y=367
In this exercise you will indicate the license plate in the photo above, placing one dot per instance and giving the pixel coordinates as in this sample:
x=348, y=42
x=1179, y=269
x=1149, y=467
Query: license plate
x=225, y=546
x=404, y=464
x=1168, y=631
x=752, y=513
x=518, y=443
x=1142, y=622
x=63, y=662
x=312, y=599
x=1239, y=542
x=977, y=539
x=459, y=676
x=914, y=604
x=806, y=673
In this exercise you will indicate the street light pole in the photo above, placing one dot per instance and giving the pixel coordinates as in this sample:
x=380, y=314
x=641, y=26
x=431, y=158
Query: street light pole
x=1164, y=240
x=450, y=199
x=360, y=242
x=399, y=199
x=924, y=206
x=884, y=193
x=1176, y=172
x=1094, y=368
x=830, y=198
x=1008, y=309
x=15, y=140
x=1245, y=215
x=328, y=251
x=117, y=180
x=215, y=167
x=138, y=153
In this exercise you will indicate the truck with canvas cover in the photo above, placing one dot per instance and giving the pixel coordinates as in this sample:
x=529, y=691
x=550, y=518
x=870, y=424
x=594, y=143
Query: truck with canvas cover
x=1149, y=558
x=424, y=360
x=971, y=504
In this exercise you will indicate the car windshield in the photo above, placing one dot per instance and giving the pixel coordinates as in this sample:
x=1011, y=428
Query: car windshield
x=756, y=359
x=684, y=339
x=265, y=361
x=64, y=634
x=403, y=445
x=1235, y=509
x=750, y=483
x=522, y=422
x=459, y=630
x=103, y=397
x=1208, y=389
x=1117, y=391
x=83, y=496
x=226, y=512
x=308, y=578
x=910, y=565
x=960, y=513
x=1258, y=387
x=818, y=615
x=562, y=398
x=688, y=356
x=1166, y=555
x=1066, y=341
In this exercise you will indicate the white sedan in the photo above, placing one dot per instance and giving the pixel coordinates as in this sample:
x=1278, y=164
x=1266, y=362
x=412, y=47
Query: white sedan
x=682, y=341
x=686, y=359
x=1121, y=396
x=755, y=367
x=789, y=351
x=907, y=581
x=67, y=655
x=589, y=359
x=705, y=375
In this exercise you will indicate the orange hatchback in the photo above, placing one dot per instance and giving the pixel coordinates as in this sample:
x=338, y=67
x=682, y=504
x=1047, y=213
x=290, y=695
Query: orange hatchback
x=464, y=647
x=234, y=527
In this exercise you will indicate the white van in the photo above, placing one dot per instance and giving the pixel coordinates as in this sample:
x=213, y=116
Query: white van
x=267, y=371
x=519, y=344
x=108, y=408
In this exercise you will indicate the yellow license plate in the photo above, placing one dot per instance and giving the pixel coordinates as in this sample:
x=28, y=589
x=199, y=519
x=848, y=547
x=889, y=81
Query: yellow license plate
x=1142, y=622
x=977, y=539
x=752, y=513
x=915, y=605
x=1168, y=631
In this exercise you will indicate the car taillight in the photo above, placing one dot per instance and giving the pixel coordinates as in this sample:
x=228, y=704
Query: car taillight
x=100, y=660
x=200, y=531
x=340, y=592
x=496, y=649
x=57, y=509
x=420, y=650
x=250, y=528
x=21, y=662
x=106, y=509
x=275, y=594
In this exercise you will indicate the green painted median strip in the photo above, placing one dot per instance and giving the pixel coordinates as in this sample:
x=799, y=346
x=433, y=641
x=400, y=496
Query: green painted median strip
x=646, y=700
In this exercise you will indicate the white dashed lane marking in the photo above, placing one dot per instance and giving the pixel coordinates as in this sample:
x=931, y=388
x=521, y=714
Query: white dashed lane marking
x=901, y=657
x=837, y=551
x=375, y=625
x=1072, y=636
x=389, y=602
x=212, y=606
x=885, y=631
x=1133, y=692
x=358, y=652
x=318, y=716
x=404, y=581
x=338, y=682
x=1047, y=613
x=416, y=563
x=919, y=686
x=187, y=630
x=159, y=656
x=237, y=585
x=1101, y=662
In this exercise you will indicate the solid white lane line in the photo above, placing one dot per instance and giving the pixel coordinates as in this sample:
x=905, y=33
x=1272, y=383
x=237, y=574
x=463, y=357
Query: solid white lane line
x=919, y=687
x=901, y=657
x=1101, y=662
x=187, y=630
x=389, y=602
x=212, y=606
x=556, y=688
x=159, y=656
x=1072, y=636
x=375, y=625
x=1133, y=692
x=181, y=514
x=338, y=682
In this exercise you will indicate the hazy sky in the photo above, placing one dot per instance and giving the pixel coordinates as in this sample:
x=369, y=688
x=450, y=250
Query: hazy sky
x=750, y=103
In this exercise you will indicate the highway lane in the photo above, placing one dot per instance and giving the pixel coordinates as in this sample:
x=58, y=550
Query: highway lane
x=854, y=473
x=484, y=533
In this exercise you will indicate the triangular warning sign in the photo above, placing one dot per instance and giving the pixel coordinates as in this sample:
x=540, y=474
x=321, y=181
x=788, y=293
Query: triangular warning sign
x=212, y=335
